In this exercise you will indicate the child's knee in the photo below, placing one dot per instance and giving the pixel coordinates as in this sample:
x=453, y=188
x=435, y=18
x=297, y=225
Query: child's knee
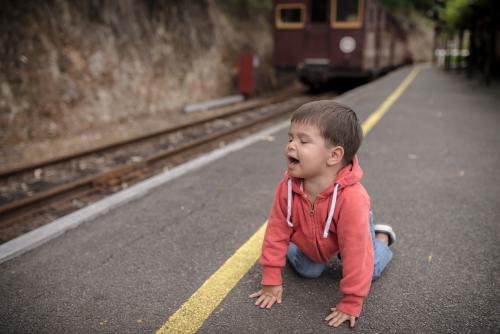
x=312, y=272
x=301, y=264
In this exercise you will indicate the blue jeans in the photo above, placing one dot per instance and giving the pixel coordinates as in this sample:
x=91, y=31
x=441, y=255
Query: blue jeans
x=310, y=269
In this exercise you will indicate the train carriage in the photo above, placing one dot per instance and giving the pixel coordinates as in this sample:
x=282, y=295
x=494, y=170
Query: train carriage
x=326, y=39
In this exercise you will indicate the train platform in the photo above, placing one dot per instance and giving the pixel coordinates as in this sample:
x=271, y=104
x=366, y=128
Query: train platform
x=157, y=260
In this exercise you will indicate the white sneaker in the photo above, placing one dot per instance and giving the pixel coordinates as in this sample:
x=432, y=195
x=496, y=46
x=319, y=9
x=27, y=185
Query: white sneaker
x=379, y=228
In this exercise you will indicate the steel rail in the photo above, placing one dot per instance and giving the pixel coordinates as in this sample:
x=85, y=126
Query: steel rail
x=232, y=110
x=120, y=171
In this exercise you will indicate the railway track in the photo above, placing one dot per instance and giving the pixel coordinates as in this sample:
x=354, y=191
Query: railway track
x=45, y=191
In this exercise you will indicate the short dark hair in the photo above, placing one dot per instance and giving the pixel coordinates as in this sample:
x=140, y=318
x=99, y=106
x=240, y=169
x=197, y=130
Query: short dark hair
x=337, y=123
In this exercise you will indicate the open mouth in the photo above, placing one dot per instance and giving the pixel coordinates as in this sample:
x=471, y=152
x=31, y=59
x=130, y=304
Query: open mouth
x=292, y=160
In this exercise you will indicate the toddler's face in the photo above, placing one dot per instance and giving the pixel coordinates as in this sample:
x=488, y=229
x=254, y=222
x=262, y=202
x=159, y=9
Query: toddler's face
x=306, y=152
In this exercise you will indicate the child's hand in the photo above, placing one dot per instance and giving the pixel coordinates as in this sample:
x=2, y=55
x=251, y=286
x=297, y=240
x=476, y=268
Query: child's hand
x=268, y=295
x=336, y=318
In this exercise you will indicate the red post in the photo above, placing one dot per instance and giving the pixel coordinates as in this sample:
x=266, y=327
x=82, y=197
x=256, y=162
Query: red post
x=247, y=78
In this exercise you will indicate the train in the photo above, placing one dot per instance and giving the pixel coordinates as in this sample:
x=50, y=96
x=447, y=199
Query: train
x=326, y=39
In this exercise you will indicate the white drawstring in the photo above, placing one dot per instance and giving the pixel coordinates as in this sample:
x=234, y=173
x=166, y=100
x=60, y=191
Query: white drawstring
x=289, y=203
x=330, y=213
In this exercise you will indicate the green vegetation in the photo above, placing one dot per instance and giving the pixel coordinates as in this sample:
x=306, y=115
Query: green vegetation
x=449, y=15
x=456, y=13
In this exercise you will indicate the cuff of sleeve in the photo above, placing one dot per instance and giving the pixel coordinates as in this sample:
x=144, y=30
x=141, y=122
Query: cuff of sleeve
x=271, y=276
x=351, y=305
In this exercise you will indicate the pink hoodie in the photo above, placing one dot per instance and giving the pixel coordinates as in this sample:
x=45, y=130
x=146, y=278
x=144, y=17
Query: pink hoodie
x=320, y=237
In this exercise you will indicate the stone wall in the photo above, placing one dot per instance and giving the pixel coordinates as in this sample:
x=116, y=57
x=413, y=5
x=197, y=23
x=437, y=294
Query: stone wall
x=67, y=66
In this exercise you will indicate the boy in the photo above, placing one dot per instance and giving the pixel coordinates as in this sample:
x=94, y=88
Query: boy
x=321, y=210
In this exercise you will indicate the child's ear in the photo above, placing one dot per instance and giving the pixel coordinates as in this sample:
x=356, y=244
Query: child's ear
x=336, y=155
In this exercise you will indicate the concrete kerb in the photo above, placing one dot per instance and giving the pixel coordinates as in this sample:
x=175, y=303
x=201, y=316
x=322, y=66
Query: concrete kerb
x=43, y=234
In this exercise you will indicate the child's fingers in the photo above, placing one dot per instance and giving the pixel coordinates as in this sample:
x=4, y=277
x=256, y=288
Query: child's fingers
x=334, y=322
x=271, y=302
x=337, y=320
x=267, y=302
x=331, y=315
x=256, y=294
x=280, y=295
x=340, y=320
x=260, y=300
x=352, y=320
x=264, y=302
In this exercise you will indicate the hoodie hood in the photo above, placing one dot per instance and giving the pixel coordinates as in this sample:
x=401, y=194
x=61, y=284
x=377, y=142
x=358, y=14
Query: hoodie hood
x=350, y=174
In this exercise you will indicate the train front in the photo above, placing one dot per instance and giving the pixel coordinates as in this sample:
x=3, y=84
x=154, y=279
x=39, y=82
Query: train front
x=321, y=39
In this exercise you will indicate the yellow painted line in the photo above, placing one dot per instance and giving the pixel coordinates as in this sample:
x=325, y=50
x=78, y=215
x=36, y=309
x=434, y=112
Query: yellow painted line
x=193, y=313
x=375, y=117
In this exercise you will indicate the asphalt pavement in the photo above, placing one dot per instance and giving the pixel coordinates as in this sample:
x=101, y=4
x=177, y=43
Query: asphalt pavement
x=430, y=168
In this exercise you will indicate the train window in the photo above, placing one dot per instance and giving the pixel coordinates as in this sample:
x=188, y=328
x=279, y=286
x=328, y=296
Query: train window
x=318, y=11
x=347, y=13
x=290, y=16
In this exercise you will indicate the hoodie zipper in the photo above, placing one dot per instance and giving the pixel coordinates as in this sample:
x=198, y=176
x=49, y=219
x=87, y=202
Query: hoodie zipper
x=314, y=229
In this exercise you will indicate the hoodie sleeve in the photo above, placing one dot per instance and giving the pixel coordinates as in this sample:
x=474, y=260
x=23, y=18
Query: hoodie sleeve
x=276, y=239
x=356, y=249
